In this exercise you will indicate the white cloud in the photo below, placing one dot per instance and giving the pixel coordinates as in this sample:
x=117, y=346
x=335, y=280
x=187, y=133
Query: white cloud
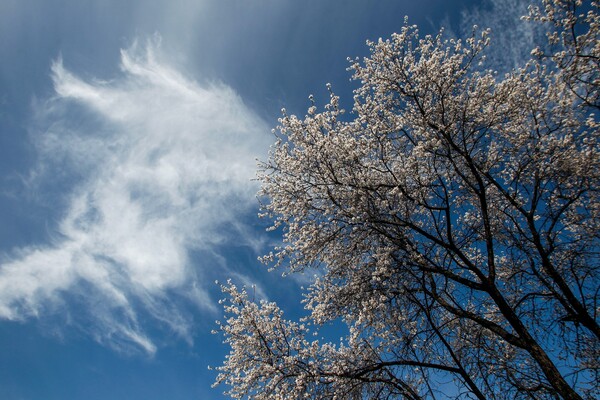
x=512, y=37
x=157, y=166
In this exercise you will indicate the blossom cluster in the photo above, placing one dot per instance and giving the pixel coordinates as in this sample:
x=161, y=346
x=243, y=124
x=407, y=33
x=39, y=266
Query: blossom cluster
x=456, y=218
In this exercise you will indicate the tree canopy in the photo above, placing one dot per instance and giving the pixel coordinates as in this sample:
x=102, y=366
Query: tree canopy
x=454, y=219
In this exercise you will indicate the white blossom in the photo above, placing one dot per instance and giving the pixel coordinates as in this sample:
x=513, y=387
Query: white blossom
x=455, y=218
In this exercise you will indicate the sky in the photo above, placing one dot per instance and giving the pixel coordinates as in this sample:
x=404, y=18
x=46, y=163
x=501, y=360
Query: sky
x=129, y=134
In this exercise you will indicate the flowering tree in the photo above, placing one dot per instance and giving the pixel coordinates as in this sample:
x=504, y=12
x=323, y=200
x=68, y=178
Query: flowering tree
x=455, y=222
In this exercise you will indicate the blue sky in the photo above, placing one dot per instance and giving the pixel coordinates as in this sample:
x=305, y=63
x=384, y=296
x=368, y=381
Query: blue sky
x=129, y=132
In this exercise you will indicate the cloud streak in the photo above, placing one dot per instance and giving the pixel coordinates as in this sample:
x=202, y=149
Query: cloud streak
x=512, y=37
x=156, y=167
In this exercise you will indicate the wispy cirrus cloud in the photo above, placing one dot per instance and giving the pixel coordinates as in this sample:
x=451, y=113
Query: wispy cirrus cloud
x=512, y=37
x=155, y=166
